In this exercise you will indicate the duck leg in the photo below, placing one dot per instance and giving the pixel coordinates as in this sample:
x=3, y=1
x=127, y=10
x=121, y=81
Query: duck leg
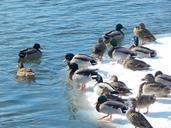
x=103, y=117
x=146, y=111
x=110, y=118
x=82, y=86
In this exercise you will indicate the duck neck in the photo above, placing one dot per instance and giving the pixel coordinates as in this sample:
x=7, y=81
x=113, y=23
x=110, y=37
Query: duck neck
x=141, y=89
x=71, y=74
x=99, y=79
x=98, y=107
x=132, y=46
x=111, y=51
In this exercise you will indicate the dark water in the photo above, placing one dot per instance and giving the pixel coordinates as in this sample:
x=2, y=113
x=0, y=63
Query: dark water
x=60, y=26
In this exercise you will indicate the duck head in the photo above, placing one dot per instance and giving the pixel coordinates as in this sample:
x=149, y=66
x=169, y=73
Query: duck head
x=158, y=73
x=149, y=78
x=100, y=100
x=119, y=27
x=142, y=25
x=114, y=78
x=98, y=78
x=69, y=56
x=36, y=46
x=100, y=40
x=73, y=66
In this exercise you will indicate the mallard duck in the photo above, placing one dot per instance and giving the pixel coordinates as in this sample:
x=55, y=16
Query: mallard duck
x=115, y=37
x=136, y=118
x=31, y=53
x=109, y=107
x=144, y=101
x=100, y=85
x=24, y=72
x=80, y=76
x=120, y=86
x=141, y=50
x=82, y=60
x=144, y=34
x=151, y=87
x=112, y=95
x=135, y=64
x=163, y=78
x=119, y=54
x=99, y=49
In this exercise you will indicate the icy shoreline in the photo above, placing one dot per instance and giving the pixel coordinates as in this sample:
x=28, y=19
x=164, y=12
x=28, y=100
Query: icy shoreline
x=159, y=113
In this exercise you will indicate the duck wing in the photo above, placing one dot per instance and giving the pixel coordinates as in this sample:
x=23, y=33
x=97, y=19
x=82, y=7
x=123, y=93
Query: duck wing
x=118, y=35
x=139, y=120
x=143, y=49
x=139, y=63
x=83, y=57
x=86, y=72
x=165, y=77
x=145, y=33
x=155, y=86
x=111, y=107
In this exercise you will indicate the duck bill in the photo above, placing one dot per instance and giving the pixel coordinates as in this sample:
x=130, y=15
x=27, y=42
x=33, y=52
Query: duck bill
x=124, y=28
x=143, y=79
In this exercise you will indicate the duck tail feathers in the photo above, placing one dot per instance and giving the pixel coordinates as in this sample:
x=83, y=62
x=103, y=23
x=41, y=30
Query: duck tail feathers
x=22, y=54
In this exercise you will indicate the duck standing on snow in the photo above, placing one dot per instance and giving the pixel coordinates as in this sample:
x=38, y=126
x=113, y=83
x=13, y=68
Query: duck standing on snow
x=136, y=118
x=151, y=87
x=24, y=72
x=119, y=54
x=163, y=78
x=144, y=34
x=135, y=64
x=109, y=107
x=141, y=50
x=144, y=101
x=82, y=60
x=80, y=76
x=31, y=53
x=99, y=49
x=115, y=37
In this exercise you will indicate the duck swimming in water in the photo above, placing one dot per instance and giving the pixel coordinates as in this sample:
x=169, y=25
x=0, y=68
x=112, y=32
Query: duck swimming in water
x=141, y=50
x=115, y=37
x=99, y=49
x=110, y=107
x=31, y=53
x=24, y=72
x=82, y=60
x=81, y=76
x=151, y=87
x=144, y=34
